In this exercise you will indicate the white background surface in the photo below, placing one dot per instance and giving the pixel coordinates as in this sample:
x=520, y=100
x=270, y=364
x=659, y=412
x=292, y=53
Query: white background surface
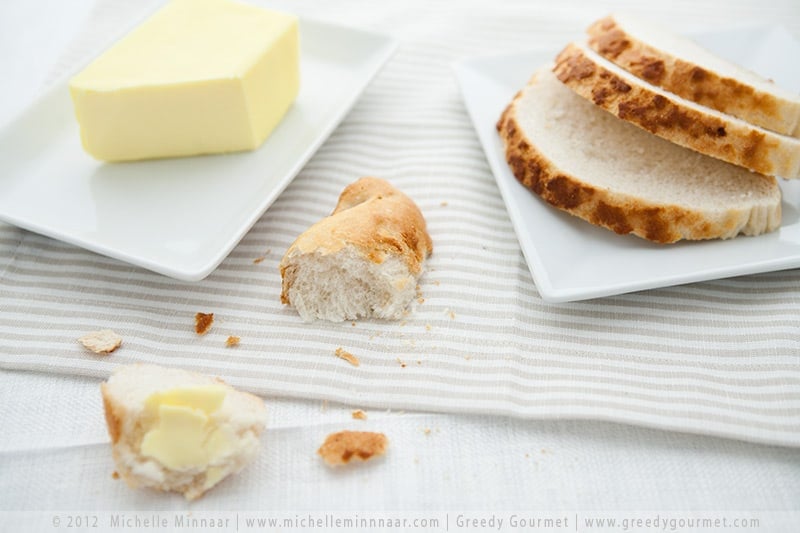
x=54, y=453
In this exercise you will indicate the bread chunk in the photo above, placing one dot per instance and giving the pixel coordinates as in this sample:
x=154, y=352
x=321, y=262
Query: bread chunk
x=342, y=447
x=363, y=260
x=102, y=342
x=174, y=430
x=589, y=163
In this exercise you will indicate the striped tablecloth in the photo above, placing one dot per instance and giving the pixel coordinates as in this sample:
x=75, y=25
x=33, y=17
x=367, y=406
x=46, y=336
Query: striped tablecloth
x=720, y=357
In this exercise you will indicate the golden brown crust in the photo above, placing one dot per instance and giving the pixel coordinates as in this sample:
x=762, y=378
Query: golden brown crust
x=620, y=213
x=342, y=447
x=688, y=80
x=113, y=421
x=232, y=341
x=341, y=353
x=203, y=322
x=373, y=216
x=665, y=116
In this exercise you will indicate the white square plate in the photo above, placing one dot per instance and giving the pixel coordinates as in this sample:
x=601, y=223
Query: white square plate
x=180, y=217
x=573, y=260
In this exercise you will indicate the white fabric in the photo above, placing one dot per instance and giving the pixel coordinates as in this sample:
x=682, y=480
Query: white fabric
x=54, y=456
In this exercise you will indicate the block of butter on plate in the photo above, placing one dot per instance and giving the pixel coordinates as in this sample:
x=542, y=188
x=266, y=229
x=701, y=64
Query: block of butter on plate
x=197, y=77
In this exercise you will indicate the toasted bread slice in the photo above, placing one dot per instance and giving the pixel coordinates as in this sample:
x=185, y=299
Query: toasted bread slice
x=589, y=163
x=679, y=65
x=674, y=118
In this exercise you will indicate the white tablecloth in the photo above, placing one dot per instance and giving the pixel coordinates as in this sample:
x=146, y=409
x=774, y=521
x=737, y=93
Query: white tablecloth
x=54, y=456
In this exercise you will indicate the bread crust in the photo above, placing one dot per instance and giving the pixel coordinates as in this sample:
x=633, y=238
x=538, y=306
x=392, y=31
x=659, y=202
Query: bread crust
x=670, y=118
x=373, y=216
x=342, y=447
x=113, y=420
x=618, y=212
x=609, y=38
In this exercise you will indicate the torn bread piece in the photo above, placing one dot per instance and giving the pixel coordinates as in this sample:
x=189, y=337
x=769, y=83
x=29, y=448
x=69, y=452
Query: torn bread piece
x=676, y=119
x=342, y=447
x=587, y=162
x=101, y=342
x=679, y=65
x=174, y=430
x=362, y=261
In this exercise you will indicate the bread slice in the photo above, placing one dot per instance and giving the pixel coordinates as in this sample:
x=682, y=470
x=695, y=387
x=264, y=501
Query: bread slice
x=680, y=66
x=133, y=398
x=674, y=118
x=363, y=260
x=590, y=164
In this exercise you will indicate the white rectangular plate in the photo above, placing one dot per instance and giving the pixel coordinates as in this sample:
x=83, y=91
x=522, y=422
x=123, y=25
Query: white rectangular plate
x=573, y=260
x=180, y=217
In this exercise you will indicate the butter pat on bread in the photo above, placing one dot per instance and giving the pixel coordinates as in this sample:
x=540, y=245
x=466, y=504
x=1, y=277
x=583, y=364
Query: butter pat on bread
x=174, y=430
x=198, y=77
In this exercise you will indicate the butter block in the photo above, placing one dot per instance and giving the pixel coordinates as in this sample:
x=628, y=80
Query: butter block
x=198, y=77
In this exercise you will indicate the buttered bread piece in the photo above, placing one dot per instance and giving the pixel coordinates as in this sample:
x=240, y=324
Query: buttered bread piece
x=179, y=431
x=198, y=77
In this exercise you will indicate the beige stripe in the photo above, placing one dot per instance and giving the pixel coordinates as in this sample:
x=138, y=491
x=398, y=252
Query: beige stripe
x=544, y=329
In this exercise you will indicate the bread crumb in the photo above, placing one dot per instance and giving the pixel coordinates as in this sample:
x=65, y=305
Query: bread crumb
x=257, y=260
x=232, y=340
x=347, y=356
x=437, y=282
x=202, y=322
x=419, y=362
x=104, y=341
x=353, y=324
x=358, y=414
x=402, y=364
x=427, y=431
x=452, y=315
x=340, y=448
x=427, y=327
x=443, y=204
x=420, y=300
x=114, y=475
